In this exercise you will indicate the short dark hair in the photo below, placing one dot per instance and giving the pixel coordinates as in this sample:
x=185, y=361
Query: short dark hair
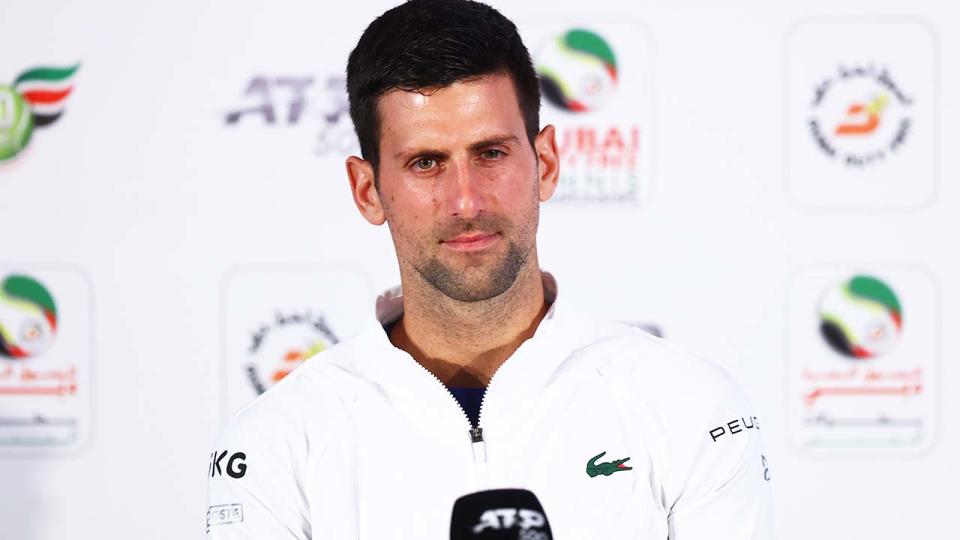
x=430, y=44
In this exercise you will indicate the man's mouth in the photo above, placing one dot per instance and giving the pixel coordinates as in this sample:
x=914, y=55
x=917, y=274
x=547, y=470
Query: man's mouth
x=472, y=241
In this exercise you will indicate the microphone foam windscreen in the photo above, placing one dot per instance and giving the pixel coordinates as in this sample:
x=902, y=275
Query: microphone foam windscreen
x=513, y=514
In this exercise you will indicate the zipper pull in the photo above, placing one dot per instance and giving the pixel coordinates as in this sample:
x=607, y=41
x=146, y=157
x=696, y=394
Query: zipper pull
x=479, y=447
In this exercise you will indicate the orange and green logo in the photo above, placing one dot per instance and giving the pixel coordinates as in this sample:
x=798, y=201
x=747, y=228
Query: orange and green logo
x=606, y=468
x=863, y=118
x=280, y=346
x=860, y=115
x=36, y=100
x=296, y=356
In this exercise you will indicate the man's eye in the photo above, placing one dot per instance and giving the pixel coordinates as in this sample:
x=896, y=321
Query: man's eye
x=491, y=154
x=424, y=164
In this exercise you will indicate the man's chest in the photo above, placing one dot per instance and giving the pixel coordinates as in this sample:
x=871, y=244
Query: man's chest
x=591, y=465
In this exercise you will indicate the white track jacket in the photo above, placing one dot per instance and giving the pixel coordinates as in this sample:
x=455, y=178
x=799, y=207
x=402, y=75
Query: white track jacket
x=619, y=434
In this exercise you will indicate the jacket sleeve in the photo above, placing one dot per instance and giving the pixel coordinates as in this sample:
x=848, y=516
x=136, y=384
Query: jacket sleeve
x=253, y=485
x=725, y=476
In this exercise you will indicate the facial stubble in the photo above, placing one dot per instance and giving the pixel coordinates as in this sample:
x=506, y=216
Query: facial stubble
x=464, y=285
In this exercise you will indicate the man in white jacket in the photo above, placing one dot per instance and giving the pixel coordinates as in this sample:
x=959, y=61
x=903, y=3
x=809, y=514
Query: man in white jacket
x=476, y=375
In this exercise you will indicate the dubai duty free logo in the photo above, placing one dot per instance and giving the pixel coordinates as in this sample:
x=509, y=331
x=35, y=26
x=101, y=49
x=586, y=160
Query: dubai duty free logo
x=28, y=317
x=860, y=115
x=582, y=81
x=578, y=70
x=35, y=100
x=46, y=338
x=861, y=317
x=862, y=350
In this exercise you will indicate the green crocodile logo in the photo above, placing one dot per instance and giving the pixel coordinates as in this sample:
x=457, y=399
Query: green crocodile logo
x=606, y=469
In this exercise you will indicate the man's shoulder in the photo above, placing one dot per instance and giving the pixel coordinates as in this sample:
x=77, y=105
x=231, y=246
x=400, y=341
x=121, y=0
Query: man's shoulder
x=659, y=372
x=691, y=402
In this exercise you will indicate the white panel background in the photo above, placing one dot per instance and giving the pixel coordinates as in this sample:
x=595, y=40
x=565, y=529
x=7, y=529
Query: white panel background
x=142, y=187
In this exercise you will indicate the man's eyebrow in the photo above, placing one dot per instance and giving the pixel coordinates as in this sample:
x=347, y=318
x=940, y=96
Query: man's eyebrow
x=420, y=152
x=440, y=154
x=493, y=141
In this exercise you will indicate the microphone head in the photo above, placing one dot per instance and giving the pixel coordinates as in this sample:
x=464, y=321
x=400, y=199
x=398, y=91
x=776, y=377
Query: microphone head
x=499, y=514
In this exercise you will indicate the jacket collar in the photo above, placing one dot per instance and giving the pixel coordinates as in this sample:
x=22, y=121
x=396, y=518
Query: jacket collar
x=514, y=387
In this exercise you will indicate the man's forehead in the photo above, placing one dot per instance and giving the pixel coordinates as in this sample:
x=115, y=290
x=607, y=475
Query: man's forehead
x=464, y=112
x=494, y=90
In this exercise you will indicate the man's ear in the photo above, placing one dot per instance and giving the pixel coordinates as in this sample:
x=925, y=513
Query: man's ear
x=364, y=190
x=548, y=162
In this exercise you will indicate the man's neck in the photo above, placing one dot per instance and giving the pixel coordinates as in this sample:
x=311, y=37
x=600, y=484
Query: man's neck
x=463, y=343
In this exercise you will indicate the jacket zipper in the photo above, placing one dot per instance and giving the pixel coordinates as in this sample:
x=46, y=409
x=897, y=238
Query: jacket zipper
x=476, y=432
x=477, y=444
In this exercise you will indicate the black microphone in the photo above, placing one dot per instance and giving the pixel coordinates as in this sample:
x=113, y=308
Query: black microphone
x=499, y=514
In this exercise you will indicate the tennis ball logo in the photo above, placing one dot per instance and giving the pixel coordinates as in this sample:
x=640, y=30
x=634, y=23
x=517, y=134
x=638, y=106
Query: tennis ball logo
x=16, y=123
x=861, y=318
x=28, y=317
x=36, y=100
x=578, y=71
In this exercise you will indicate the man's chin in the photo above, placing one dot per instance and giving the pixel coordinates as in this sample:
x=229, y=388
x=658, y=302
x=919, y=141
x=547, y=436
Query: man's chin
x=471, y=283
x=474, y=277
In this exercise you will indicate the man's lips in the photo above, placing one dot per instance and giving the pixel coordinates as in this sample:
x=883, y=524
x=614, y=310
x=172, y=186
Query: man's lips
x=471, y=241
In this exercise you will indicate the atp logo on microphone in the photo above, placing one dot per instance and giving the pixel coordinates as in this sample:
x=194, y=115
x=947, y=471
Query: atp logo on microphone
x=499, y=514
x=509, y=518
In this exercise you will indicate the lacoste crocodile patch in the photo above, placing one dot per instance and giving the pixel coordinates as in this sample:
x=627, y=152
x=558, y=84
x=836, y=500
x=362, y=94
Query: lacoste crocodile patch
x=606, y=468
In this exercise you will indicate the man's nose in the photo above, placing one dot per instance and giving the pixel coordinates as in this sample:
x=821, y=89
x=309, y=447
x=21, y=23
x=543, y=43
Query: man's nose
x=465, y=197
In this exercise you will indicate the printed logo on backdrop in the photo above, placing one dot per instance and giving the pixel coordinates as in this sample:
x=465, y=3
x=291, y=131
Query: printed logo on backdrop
x=36, y=100
x=861, y=114
x=861, y=317
x=863, y=355
x=279, y=346
x=594, y=81
x=277, y=319
x=29, y=317
x=45, y=343
x=315, y=106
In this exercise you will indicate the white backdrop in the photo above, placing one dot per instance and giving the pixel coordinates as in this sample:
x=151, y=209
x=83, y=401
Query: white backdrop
x=189, y=215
